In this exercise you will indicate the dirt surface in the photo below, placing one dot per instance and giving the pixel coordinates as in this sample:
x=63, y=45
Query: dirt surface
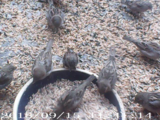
x=91, y=27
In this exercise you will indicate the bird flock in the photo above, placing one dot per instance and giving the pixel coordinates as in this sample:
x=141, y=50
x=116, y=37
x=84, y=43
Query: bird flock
x=71, y=99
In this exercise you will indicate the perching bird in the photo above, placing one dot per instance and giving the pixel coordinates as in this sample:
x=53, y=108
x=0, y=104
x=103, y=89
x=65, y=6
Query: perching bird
x=71, y=99
x=6, y=75
x=55, y=17
x=148, y=49
x=108, y=75
x=150, y=101
x=43, y=63
x=55, y=2
x=70, y=59
x=138, y=6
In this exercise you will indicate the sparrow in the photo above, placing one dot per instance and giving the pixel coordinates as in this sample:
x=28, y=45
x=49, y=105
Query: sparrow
x=150, y=101
x=137, y=7
x=55, y=2
x=43, y=63
x=6, y=75
x=70, y=59
x=147, y=49
x=108, y=75
x=70, y=100
x=55, y=17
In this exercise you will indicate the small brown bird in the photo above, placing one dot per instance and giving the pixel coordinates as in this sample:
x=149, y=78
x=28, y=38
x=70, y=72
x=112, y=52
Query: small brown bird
x=71, y=99
x=6, y=75
x=55, y=17
x=43, y=63
x=70, y=59
x=137, y=7
x=150, y=101
x=148, y=49
x=108, y=75
x=55, y=2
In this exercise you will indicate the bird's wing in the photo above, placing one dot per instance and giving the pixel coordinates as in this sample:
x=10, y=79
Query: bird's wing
x=144, y=46
x=40, y=56
x=64, y=62
x=39, y=59
x=68, y=99
x=62, y=15
x=154, y=100
x=138, y=3
x=44, y=58
x=48, y=60
x=73, y=59
x=109, y=74
x=154, y=45
x=2, y=78
x=134, y=7
x=67, y=59
x=105, y=73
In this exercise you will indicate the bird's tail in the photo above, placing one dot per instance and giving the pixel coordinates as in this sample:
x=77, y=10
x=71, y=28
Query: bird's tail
x=49, y=45
x=123, y=1
x=69, y=49
x=51, y=2
x=89, y=80
x=112, y=53
x=130, y=39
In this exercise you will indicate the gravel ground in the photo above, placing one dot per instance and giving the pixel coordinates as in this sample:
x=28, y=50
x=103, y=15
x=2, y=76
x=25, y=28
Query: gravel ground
x=92, y=104
x=91, y=28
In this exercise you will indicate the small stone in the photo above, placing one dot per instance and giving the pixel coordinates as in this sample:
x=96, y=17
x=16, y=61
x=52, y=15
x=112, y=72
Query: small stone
x=14, y=25
x=105, y=38
x=9, y=16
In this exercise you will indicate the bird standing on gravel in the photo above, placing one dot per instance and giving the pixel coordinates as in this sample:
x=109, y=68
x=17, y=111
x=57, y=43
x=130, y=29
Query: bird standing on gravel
x=43, y=63
x=108, y=75
x=150, y=101
x=137, y=7
x=147, y=49
x=71, y=99
x=70, y=59
x=55, y=17
x=55, y=2
x=6, y=75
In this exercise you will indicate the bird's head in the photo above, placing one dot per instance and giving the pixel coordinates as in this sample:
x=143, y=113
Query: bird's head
x=9, y=68
x=140, y=98
x=149, y=5
x=56, y=20
x=70, y=49
x=129, y=2
x=39, y=73
x=104, y=86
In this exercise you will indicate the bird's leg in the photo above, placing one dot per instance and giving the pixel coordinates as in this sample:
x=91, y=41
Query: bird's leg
x=43, y=1
x=59, y=34
x=62, y=26
x=128, y=10
x=77, y=1
x=77, y=110
x=136, y=15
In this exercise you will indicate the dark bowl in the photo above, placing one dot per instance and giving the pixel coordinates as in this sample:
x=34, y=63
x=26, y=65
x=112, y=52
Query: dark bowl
x=28, y=89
